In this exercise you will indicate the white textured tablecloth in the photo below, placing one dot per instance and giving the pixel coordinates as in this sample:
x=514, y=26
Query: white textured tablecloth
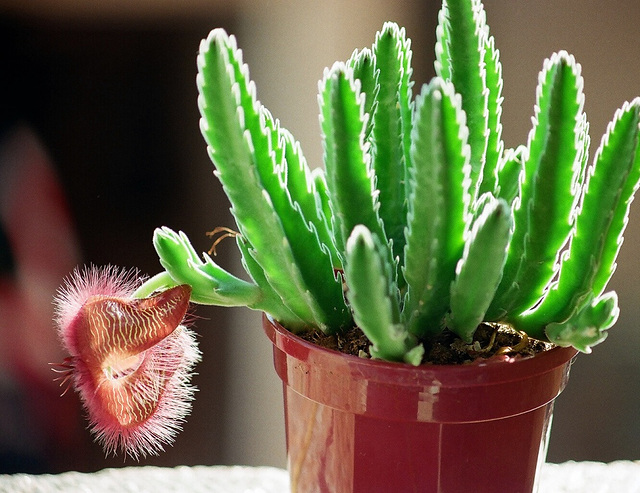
x=571, y=477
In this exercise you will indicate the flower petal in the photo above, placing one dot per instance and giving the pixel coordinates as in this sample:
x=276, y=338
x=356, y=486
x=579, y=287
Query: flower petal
x=141, y=412
x=131, y=359
x=106, y=324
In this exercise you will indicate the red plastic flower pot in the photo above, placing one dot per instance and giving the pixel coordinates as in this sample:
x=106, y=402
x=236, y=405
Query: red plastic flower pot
x=357, y=425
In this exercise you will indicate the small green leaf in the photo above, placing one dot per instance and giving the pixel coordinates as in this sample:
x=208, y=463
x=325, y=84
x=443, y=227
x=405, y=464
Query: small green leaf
x=392, y=129
x=550, y=189
x=364, y=69
x=509, y=173
x=350, y=179
x=324, y=209
x=495, y=145
x=304, y=196
x=461, y=42
x=373, y=298
x=586, y=328
x=271, y=301
x=439, y=202
x=480, y=269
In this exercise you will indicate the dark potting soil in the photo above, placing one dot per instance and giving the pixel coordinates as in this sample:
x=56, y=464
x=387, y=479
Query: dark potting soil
x=447, y=349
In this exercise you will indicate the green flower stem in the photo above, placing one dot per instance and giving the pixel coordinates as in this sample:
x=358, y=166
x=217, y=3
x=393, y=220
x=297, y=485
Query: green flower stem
x=162, y=280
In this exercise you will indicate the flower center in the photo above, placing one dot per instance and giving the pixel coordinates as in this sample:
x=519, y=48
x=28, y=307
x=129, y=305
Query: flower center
x=116, y=367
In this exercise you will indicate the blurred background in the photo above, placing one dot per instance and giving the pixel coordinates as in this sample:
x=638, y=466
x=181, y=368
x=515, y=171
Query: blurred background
x=99, y=144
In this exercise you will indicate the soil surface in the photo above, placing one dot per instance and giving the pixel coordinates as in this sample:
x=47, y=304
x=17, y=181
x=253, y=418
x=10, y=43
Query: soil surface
x=447, y=349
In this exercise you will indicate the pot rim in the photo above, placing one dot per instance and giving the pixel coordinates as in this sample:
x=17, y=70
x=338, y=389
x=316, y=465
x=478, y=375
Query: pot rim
x=429, y=393
x=397, y=373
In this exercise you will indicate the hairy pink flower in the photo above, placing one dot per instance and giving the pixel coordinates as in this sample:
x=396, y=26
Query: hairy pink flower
x=130, y=359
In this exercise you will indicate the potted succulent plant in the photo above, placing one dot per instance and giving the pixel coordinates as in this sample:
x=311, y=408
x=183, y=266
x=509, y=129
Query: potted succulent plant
x=462, y=277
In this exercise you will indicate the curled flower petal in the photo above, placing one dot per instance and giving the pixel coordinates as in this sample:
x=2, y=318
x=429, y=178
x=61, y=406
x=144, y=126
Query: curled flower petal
x=131, y=359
